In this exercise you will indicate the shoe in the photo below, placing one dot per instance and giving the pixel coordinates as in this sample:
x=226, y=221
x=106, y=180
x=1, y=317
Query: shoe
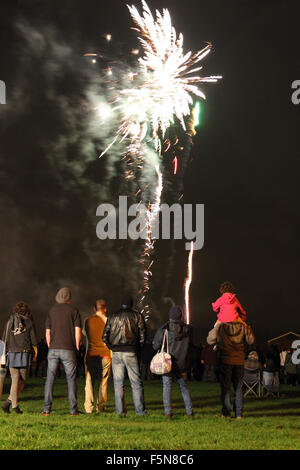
x=76, y=413
x=191, y=415
x=45, y=413
x=6, y=406
x=239, y=417
x=169, y=416
x=222, y=416
x=17, y=410
x=101, y=410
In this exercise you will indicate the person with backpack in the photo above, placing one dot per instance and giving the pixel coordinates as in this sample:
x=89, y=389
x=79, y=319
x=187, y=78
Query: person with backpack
x=178, y=343
x=21, y=346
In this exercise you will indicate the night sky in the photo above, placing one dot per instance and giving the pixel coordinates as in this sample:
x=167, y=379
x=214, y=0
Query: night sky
x=244, y=164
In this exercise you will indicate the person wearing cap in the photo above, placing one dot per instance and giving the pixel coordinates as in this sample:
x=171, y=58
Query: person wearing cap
x=63, y=335
x=178, y=341
x=124, y=334
x=97, y=359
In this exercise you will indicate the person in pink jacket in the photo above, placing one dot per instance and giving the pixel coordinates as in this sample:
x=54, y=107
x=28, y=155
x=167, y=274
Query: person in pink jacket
x=228, y=307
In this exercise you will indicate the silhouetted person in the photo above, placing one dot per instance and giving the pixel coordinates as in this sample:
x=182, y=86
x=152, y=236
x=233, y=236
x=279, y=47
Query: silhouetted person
x=41, y=360
x=209, y=361
x=147, y=354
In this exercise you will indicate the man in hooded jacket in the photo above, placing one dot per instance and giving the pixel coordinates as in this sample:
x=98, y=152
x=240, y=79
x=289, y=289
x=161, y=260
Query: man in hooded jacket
x=178, y=342
x=231, y=339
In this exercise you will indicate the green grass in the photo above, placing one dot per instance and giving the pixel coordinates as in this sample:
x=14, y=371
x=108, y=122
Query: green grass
x=267, y=424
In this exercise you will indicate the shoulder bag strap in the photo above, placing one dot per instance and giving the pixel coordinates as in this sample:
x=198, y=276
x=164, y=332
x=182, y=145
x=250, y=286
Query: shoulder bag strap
x=164, y=340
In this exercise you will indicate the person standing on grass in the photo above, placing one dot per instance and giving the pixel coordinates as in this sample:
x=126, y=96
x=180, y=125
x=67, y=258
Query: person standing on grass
x=209, y=361
x=124, y=334
x=63, y=335
x=178, y=340
x=41, y=359
x=97, y=359
x=231, y=338
x=21, y=344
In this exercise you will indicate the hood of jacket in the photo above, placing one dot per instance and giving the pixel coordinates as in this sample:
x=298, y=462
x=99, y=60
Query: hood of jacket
x=227, y=298
x=177, y=328
x=234, y=330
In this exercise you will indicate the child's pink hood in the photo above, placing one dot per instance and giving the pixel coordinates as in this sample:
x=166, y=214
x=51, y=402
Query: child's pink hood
x=228, y=305
x=227, y=298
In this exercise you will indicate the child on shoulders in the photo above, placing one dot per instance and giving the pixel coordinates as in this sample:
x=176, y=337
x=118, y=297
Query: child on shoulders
x=228, y=307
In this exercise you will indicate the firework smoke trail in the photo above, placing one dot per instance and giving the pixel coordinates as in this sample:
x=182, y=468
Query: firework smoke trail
x=152, y=217
x=188, y=282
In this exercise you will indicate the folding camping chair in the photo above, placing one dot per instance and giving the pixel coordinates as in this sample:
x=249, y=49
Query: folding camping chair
x=252, y=382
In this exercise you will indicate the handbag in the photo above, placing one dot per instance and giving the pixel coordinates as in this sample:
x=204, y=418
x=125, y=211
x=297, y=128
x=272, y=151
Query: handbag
x=3, y=348
x=162, y=362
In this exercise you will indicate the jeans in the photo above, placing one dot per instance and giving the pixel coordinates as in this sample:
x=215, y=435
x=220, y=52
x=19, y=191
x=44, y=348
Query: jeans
x=208, y=369
x=271, y=381
x=122, y=361
x=231, y=374
x=69, y=361
x=167, y=390
x=96, y=369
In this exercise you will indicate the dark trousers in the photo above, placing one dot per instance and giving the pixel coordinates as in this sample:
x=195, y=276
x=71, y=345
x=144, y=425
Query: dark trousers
x=231, y=374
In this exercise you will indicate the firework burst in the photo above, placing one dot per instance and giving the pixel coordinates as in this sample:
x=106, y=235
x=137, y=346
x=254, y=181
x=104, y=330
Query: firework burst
x=162, y=86
x=165, y=76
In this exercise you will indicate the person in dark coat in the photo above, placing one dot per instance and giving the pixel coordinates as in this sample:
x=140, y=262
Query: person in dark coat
x=147, y=354
x=41, y=357
x=178, y=342
x=124, y=334
x=209, y=361
x=231, y=339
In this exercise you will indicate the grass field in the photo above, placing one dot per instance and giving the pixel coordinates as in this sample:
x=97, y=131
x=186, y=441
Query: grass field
x=267, y=424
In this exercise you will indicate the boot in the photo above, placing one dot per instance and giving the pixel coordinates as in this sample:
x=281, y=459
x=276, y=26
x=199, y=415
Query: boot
x=6, y=406
x=17, y=410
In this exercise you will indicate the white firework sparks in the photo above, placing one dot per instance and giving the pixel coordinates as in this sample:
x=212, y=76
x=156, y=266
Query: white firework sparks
x=188, y=282
x=161, y=91
x=151, y=218
x=166, y=79
x=166, y=72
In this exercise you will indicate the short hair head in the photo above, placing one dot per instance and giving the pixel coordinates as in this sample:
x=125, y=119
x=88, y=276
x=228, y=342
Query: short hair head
x=23, y=309
x=227, y=286
x=100, y=304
